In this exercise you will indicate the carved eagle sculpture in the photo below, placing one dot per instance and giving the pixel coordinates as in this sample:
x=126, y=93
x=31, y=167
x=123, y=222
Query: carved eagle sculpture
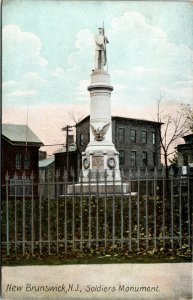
x=98, y=133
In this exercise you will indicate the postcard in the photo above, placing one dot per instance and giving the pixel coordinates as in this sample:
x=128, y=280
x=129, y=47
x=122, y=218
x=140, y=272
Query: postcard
x=97, y=149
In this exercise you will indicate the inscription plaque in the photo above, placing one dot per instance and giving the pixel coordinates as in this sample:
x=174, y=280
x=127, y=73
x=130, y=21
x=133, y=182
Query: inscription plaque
x=97, y=162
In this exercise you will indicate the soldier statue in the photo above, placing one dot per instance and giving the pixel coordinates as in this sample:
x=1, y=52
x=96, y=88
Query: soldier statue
x=100, y=50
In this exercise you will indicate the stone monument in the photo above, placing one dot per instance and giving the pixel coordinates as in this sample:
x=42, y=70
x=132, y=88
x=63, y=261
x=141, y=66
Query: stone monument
x=100, y=161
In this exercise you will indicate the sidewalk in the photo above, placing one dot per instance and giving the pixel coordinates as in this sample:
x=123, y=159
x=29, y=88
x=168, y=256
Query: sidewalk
x=109, y=281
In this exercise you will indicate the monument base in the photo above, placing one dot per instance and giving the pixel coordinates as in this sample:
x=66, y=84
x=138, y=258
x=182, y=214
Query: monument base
x=100, y=188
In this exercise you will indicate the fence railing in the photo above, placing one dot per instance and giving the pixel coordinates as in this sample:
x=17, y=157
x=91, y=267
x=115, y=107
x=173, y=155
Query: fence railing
x=155, y=213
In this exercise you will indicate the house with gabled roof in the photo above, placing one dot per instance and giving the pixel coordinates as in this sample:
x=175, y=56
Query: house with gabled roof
x=19, y=155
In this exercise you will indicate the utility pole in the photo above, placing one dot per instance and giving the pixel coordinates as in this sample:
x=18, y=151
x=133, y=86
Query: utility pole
x=67, y=129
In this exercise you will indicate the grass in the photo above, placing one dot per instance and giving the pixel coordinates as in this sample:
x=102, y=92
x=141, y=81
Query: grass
x=99, y=258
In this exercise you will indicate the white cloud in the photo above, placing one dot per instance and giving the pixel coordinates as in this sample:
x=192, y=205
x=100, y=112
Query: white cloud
x=184, y=82
x=21, y=93
x=83, y=58
x=84, y=39
x=58, y=72
x=33, y=77
x=9, y=84
x=136, y=42
x=21, y=52
x=142, y=56
x=183, y=94
x=82, y=87
x=120, y=87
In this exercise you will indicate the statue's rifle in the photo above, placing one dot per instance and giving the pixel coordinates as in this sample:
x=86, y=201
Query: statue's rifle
x=105, y=45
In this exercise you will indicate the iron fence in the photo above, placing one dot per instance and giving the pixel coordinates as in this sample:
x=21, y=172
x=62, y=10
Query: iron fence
x=155, y=213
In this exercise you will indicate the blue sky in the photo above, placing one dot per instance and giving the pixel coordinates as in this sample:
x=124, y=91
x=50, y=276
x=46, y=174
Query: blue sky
x=48, y=55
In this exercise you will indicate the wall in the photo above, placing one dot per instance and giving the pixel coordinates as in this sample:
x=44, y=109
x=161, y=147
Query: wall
x=8, y=159
x=128, y=145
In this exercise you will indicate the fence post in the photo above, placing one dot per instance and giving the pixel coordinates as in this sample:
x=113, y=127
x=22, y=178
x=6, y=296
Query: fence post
x=105, y=210
x=15, y=213
x=146, y=209
x=122, y=174
x=7, y=211
x=155, y=206
x=73, y=209
x=89, y=210
x=57, y=200
x=23, y=188
x=164, y=206
x=32, y=213
x=180, y=207
x=172, y=207
x=65, y=177
x=138, y=208
x=130, y=233
x=48, y=194
x=81, y=203
x=113, y=175
x=97, y=208
x=189, y=219
x=41, y=189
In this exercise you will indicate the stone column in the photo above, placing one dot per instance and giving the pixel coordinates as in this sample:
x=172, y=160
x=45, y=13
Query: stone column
x=100, y=153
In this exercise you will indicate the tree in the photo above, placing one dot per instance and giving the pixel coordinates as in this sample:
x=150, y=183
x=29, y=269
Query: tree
x=188, y=113
x=174, y=127
x=174, y=162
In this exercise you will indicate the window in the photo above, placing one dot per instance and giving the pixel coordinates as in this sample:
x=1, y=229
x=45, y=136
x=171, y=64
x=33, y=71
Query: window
x=144, y=137
x=18, y=161
x=133, y=158
x=153, y=137
x=121, y=134
x=121, y=157
x=185, y=158
x=19, y=187
x=81, y=139
x=144, y=158
x=27, y=161
x=133, y=135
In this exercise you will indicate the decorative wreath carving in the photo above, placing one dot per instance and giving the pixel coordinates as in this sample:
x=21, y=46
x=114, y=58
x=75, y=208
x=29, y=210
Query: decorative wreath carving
x=86, y=163
x=111, y=162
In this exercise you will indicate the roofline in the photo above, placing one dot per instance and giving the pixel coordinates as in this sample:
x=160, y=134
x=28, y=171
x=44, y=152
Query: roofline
x=184, y=146
x=191, y=134
x=136, y=119
x=125, y=118
x=62, y=152
x=18, y=143
x=87, y=117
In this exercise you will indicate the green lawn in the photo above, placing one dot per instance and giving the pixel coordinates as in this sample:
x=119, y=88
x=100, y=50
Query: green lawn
x=100, y=258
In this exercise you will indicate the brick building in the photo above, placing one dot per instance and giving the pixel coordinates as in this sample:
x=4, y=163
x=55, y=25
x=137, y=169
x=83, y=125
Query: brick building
x=61, y=162
x=185, y=152
x=19, y=156
x=136, y=140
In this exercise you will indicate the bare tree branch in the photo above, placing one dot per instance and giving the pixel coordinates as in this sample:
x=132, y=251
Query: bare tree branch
x=174, y=127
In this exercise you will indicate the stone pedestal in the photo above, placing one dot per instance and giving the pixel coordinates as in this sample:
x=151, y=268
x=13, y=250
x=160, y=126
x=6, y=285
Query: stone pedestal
x=100, y=161
x=100, y=189
x=101, y=154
